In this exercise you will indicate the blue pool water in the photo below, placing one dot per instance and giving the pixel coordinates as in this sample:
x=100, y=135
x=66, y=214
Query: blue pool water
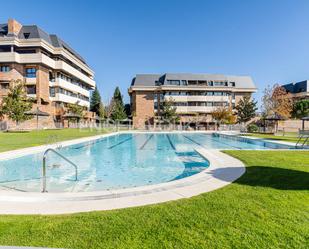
x=120, y=161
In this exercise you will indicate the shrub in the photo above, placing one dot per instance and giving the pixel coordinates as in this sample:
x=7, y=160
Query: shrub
x=252, y=128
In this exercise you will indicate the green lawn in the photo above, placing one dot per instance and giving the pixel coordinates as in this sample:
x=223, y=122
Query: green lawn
x=289, y=137
x=266, y=208
x=17, y=140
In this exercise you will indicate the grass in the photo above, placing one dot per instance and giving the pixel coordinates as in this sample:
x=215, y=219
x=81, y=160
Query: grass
x=18, y=140
x=290, y=137
x=266, y=208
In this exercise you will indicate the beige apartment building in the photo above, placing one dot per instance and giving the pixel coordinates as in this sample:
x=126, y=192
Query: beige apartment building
x=53, y=73
x=195, y=96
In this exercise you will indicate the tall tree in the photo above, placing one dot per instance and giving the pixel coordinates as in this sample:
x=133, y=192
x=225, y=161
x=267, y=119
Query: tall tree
x=169, y=113
x=96, y=102
x=117, y=96
x=283, y=102
x=277, y=101
x=301, y=108
x=245, y=109
x=117, y=108
x=16, y=103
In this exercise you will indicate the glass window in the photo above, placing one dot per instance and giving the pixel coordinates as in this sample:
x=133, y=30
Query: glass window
x=31, y=89
x=218, y=94
x=4, y=69
x=5, y=85
x=26, y=35
x=173, y=82
x=52, y=92
x=31, y=72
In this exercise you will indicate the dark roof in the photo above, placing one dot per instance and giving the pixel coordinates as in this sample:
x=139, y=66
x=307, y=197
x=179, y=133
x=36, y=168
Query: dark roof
x=3, y=29
x=154, y=79
x=297, y=87
x=34, y=32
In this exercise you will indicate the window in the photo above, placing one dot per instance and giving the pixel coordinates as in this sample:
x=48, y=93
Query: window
x=31, y=72
x=192, y=82
x=5, y=85
x=4, y=69
x=202, y=82
x=232, y=84
x=210, y=93
x=184, y=82
x=52, y=92
x=220, y=83
x=26, y=35
x=218, y=93
x=31, y=89
x=173, y=82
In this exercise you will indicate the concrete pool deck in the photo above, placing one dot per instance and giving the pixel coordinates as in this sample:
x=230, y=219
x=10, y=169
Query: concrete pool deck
x=223, y=170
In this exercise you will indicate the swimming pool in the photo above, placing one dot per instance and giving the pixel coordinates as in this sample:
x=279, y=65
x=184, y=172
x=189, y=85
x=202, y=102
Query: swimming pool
x=120, y=161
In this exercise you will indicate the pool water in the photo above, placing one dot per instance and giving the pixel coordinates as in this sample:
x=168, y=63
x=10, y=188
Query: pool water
x=119, y=161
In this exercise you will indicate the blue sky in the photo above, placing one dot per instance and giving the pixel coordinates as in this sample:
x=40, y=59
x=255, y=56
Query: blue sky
x=268, y=40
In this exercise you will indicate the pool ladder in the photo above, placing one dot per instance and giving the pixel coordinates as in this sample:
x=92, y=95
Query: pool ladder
x=303, y=134
x=44, y=166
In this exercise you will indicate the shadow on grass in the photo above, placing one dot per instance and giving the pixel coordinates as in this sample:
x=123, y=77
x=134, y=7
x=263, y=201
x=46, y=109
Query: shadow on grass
x=263, y=176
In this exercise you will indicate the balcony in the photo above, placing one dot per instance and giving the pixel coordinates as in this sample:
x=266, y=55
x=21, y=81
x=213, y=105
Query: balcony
x=40, y=58
x=194, y=109
x=198, y=98
x=69, y=86
x=69, y=99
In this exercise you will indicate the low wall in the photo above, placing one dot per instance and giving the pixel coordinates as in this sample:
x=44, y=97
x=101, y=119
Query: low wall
x=292, y=125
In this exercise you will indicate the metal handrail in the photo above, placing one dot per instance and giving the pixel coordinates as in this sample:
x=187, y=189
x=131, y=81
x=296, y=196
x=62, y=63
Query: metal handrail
x=44, y=166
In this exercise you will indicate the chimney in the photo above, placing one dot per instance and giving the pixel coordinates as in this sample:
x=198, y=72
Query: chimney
x=13, y=27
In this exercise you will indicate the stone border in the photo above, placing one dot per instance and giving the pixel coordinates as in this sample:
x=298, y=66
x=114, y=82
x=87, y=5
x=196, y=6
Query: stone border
x=222, y=171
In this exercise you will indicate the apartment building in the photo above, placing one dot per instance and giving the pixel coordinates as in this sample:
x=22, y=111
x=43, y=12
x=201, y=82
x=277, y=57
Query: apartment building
x=195, y=96
x=53, y=73
x=299, y=90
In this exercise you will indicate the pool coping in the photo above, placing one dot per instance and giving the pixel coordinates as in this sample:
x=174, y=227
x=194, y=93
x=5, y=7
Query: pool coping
x=223, y=170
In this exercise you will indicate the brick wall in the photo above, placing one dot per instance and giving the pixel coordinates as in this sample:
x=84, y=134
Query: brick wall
x=143, y=108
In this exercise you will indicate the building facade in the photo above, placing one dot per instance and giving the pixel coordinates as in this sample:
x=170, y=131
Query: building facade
x=53, y=73
x=195, y=96
x=299, y=90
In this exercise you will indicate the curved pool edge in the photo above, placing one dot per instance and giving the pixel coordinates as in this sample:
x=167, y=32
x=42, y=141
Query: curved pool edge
x=222, y=171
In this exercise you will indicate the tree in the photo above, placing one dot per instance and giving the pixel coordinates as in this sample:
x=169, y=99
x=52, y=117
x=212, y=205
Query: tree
x=169, y=113
x=117, y=108
x=16, y=103
x=96, y=104
x=301, y=108
x=277, y=101
x=224, y=115
x=127, y=109
x=282, y=102
x=101, y=111
x=117, y=96
x=76, y=110
x=267, y=102
x=245, y=110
